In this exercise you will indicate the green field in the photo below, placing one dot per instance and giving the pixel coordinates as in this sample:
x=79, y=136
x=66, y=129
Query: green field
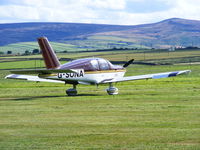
x=91, y=43
x=158, y=114
x=20, y=48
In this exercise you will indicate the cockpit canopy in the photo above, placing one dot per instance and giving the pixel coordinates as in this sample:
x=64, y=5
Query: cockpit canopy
x=91, y=64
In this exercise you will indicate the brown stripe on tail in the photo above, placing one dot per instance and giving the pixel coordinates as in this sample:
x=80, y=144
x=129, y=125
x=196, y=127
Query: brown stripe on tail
x=50, y=58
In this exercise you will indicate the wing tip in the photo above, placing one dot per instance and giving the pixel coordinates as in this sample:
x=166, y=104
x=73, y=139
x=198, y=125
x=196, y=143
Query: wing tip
x=184, y=72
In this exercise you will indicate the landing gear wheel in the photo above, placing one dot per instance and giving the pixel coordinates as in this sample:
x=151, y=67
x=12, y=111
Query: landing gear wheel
x=72, y=91
x=112, y=90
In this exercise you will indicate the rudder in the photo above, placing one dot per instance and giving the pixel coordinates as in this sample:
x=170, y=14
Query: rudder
x=50, y=58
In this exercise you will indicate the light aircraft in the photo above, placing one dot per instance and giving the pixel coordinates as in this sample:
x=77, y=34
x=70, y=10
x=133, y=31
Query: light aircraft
x=89, y=71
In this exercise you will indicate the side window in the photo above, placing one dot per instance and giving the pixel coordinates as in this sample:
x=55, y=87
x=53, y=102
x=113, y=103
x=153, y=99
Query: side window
x=95, y=64
x=103, y=64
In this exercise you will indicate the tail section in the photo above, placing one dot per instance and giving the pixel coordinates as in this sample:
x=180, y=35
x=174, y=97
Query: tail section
x=50, y=58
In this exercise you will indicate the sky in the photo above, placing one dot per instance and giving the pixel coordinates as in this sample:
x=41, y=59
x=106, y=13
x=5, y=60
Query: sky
x=119, y=12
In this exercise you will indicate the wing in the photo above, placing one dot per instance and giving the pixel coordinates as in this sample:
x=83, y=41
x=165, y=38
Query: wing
x=150, y=76
x=31, y=78
x=20, y=74
x=44, y=71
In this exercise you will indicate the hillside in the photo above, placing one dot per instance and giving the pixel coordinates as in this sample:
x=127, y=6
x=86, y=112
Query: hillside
x=57, y=32
x=171, y=32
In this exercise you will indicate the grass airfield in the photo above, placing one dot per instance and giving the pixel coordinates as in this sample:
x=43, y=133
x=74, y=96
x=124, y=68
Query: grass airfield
x=146, y=115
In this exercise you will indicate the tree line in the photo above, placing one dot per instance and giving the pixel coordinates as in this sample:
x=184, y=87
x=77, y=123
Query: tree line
x=27, y=52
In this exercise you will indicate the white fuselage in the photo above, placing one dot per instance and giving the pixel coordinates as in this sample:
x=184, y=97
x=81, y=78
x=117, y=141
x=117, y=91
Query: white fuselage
x=90, y=77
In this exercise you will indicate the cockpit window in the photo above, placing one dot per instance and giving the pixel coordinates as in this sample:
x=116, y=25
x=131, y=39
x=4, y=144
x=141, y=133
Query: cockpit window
x=91, y=64
x=103, y=64
x=95, y=64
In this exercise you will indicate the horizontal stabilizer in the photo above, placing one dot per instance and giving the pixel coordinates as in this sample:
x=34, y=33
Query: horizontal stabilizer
x=44, y=71
x=31, y=78
x=150, y=76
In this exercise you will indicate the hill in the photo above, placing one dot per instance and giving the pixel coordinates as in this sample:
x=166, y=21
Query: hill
x=170, y=32
x=58, y=32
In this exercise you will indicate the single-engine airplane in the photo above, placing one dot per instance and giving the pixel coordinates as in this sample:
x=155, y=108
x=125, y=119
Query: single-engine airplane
x=89, y=71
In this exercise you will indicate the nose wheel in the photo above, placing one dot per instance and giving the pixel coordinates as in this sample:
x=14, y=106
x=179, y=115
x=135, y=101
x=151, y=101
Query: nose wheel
x=72, y=91
x=112, y=90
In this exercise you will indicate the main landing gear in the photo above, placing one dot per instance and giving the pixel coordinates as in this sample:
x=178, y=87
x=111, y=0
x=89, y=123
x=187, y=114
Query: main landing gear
x=72, y=91
x=112, y=90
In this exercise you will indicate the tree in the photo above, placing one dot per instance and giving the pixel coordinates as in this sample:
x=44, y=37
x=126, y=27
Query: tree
x=35, y=51
x=9, y=52
x=27, y=52
x=65, y=51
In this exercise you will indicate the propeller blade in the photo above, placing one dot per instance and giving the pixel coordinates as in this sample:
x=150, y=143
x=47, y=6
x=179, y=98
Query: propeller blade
x=128, y=63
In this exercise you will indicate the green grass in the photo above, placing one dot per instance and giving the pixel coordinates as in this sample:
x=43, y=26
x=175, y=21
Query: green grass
x=21, y=64
x=191, y=56
x=146, y=115
x=23, y=46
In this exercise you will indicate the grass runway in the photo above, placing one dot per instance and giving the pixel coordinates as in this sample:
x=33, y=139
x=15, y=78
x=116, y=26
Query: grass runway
x=146, y=115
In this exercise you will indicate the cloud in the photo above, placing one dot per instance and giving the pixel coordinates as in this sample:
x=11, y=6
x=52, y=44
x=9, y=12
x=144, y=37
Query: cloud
x=18, y=12
x=127, y=12
x=187, y=9
x=107, y=4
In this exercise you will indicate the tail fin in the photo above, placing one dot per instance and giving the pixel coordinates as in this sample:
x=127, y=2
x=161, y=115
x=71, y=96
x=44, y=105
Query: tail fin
x=50, y=58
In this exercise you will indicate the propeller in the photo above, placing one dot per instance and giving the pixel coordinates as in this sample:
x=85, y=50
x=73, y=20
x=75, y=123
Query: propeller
x=128, y=63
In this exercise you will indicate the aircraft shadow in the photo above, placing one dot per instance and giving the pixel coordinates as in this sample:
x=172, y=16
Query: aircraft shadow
x=42, y=97
x=35, y=97
x=86, y=95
